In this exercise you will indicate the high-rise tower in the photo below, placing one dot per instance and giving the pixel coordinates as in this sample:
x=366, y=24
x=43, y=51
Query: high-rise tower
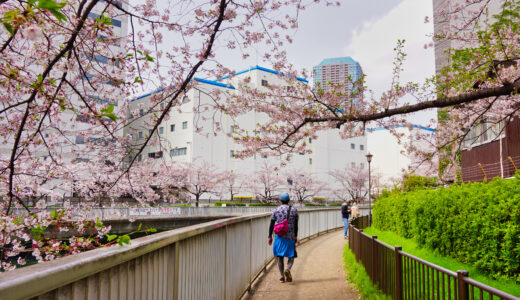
x=337, y=71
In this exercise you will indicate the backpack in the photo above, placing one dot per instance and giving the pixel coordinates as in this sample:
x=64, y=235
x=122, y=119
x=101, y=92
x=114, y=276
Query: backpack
x=281, y=228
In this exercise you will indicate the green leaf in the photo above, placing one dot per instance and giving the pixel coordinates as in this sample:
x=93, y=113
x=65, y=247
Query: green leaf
x=148, y=57
x=111, y=116
x=40, y=78
x=124, y=239
x=61, y=17
x=151, y=230
x=104, y=20
x=50, y=4
x=32, y=1
x=111, y=237
x=139, y=227
x=108, y=109
x=54, y=214
x=9, y=28
x=99, y=224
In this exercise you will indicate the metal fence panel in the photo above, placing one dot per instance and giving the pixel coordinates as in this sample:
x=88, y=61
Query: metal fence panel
x=238, y=253
x=202, y=266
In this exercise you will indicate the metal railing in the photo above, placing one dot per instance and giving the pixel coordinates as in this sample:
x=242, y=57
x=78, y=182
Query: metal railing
x=213, y=260
x=404, y=276
x=104, y=213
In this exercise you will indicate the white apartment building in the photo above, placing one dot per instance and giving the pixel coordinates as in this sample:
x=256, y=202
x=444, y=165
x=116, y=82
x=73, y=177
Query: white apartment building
x=178, y=140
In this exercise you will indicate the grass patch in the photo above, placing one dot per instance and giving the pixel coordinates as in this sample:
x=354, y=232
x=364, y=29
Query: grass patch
x=409, y=246
x=357, y=275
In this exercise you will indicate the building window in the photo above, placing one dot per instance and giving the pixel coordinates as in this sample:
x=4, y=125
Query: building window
x=178, y=151
x=140, y=134
x=264, y=82
x=353, y=164
x=232, y=128
x=352, y=146
x=141, y=112
x=140, y=157
x=264, y=156
x=161, y=106
x=310, y=140
x=184, y=124
x=161, y=130
x=80, y=140
x=310, y=161
x=361, y=147
x=362, y=165
x=155, y=155
x=172, y=127
x=185, y=99
x=232, y=153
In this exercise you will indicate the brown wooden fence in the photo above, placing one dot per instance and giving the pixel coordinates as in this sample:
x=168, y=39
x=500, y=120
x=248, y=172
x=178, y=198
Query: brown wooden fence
x=404, y=276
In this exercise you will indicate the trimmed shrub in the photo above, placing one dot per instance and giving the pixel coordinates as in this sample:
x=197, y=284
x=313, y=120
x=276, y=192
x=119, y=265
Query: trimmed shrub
x=314, y=204
x=263, y=204
x=335, y=204
x=219, y=204
x=475, y=223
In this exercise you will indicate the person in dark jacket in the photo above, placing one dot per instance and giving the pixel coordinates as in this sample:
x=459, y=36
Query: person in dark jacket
x=284, y=246
x=345, y=214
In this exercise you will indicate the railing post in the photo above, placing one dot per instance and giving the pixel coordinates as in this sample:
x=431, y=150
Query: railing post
x=358, y=252
x=463, y=286
x=176, y=271
x=398, y=273
x=374, y=257
x=250, y=255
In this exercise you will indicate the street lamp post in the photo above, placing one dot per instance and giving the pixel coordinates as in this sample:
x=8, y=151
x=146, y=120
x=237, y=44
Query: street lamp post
x=369, y=159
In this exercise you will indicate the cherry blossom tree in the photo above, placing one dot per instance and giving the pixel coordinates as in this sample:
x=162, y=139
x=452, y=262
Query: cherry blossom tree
x=267, y=182
x=232, y=183
x=192, y=179
x=353, y=182
x=303, y=185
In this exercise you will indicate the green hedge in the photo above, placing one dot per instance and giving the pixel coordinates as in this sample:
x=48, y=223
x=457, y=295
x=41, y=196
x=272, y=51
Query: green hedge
x=476, y=223
x=263, y=204
x=219, y=204
x=335, y=204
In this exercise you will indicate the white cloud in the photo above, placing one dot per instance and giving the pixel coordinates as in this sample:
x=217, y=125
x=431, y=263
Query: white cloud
x=372, y=46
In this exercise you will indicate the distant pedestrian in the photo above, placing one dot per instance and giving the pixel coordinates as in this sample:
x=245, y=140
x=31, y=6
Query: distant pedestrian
x=345, y=214
x=284, y=223
x=354, y=211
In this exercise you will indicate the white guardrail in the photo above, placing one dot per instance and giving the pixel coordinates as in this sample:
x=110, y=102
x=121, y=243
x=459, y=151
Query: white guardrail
x=213, y=260
x=128, y=212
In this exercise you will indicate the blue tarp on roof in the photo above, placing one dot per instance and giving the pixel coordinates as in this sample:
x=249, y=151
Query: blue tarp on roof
x=399, y=126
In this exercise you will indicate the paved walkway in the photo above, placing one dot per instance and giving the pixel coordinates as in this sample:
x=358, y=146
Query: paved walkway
x=317, y=273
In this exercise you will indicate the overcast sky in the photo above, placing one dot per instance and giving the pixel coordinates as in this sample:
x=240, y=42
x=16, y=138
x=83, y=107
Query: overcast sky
x=367, y=31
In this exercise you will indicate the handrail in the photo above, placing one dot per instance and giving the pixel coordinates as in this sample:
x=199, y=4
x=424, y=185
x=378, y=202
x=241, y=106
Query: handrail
x=162, y=250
